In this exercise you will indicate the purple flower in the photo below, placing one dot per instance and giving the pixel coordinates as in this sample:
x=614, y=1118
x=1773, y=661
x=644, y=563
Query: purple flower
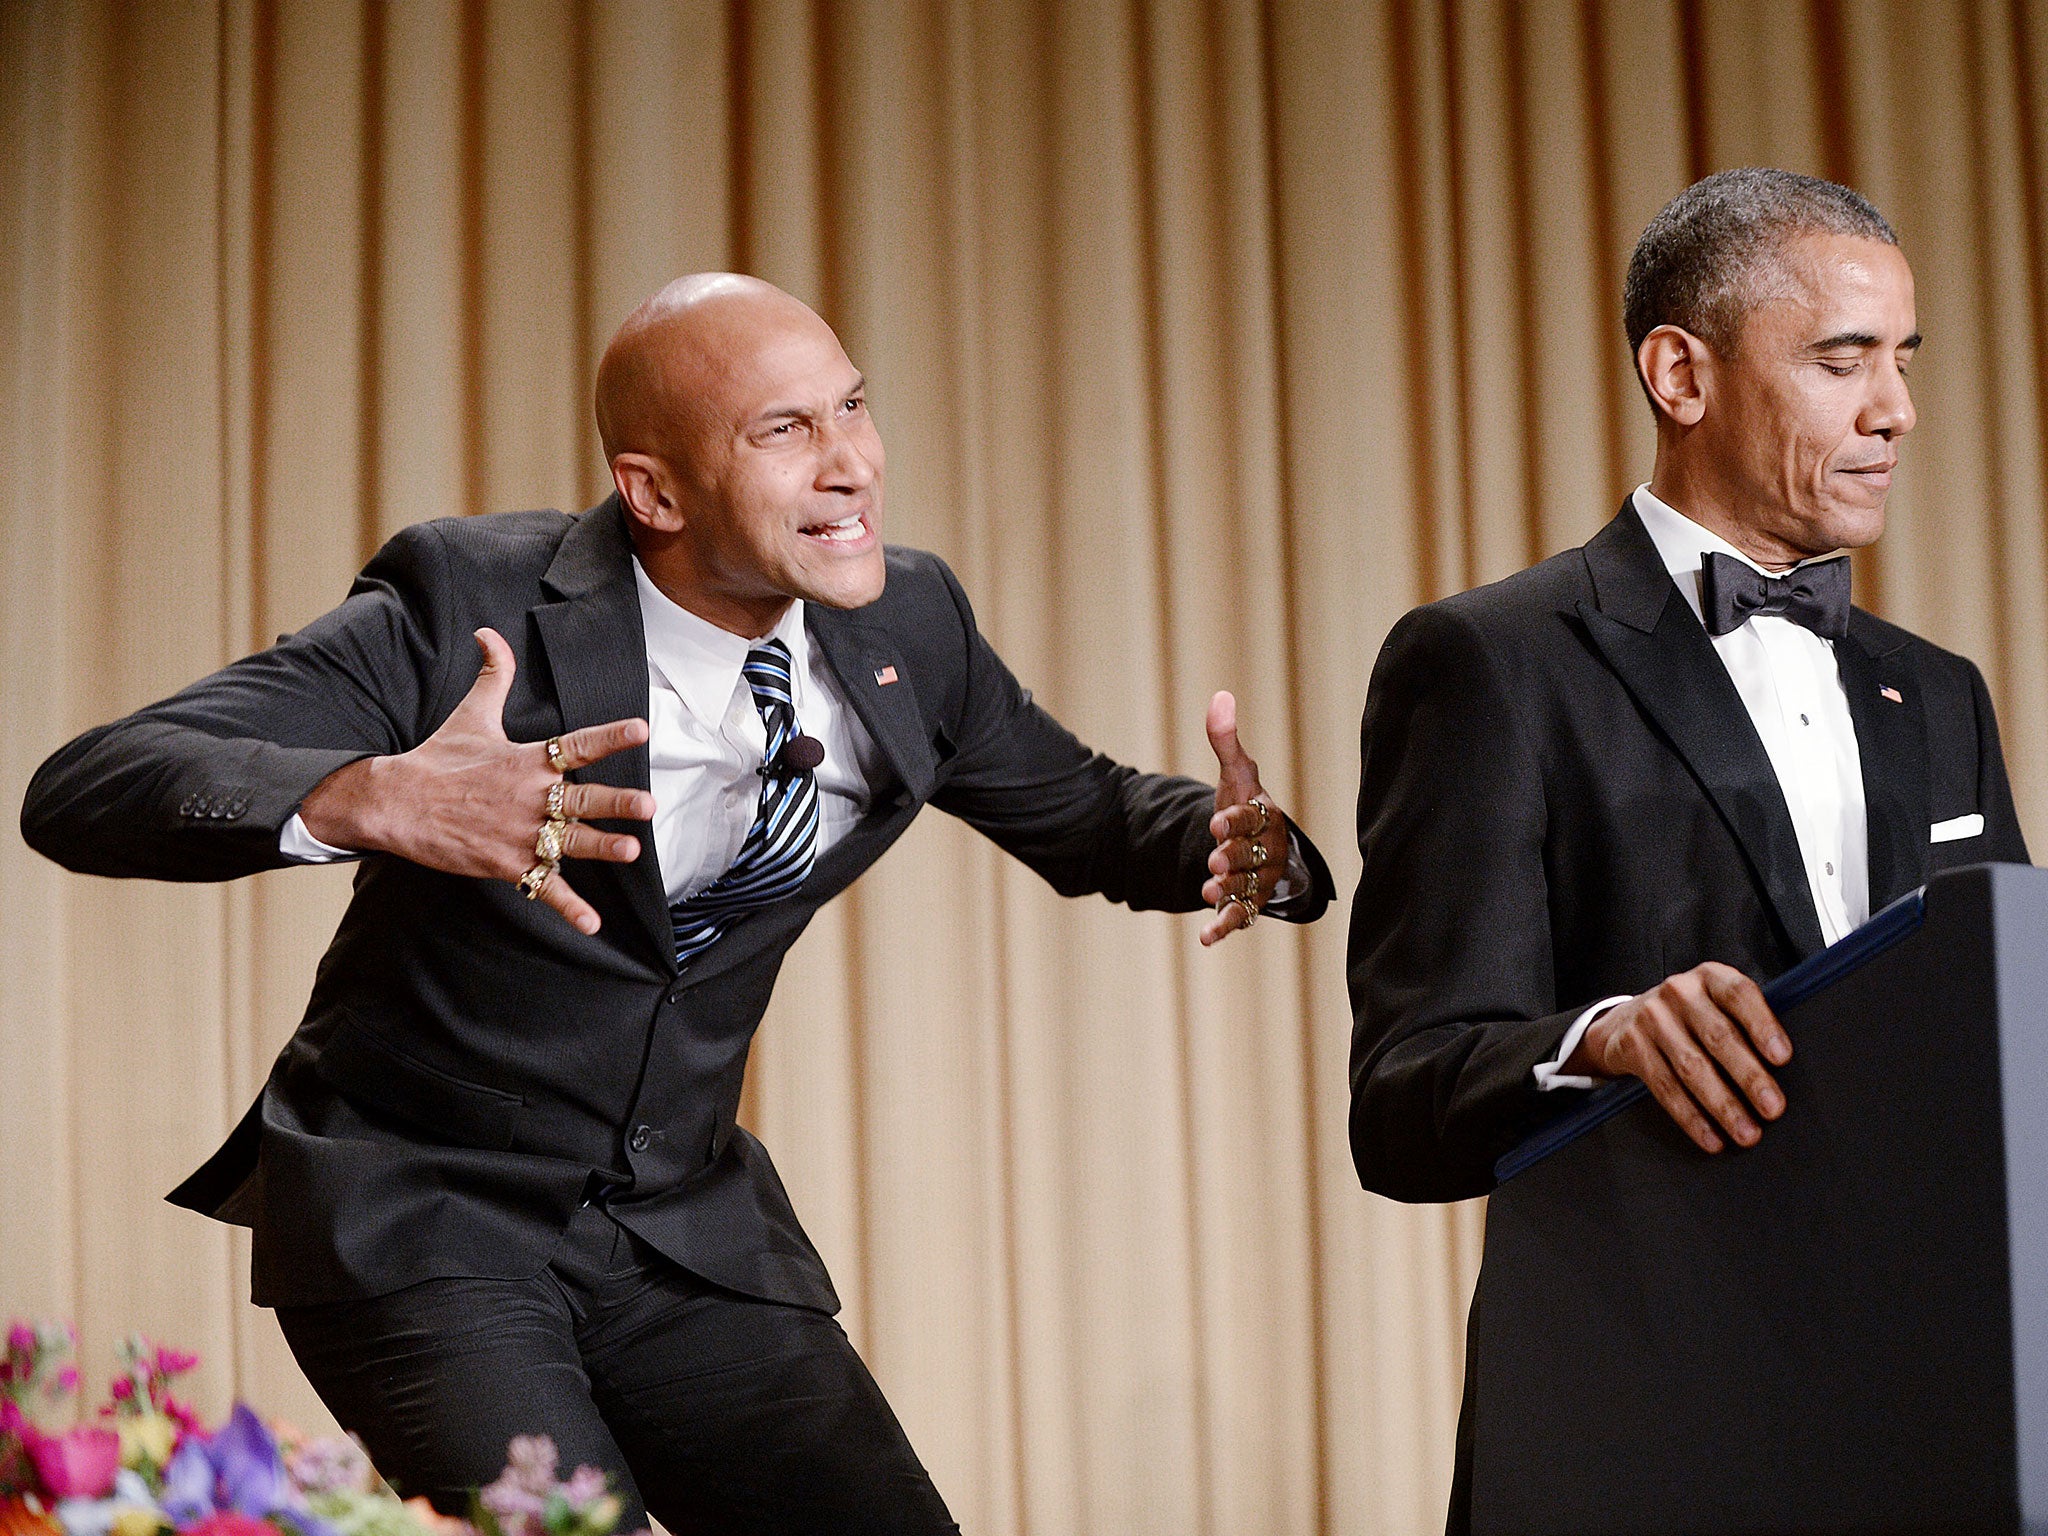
x=532, y=1460
x=585, y=1486
x=188, y=1483
x=250, y=1470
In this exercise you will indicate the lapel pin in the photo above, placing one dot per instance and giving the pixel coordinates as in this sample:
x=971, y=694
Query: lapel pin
x=1887, y=691
x=887, y=675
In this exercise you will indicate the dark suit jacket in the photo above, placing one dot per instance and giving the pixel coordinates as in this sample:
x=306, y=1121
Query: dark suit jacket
x=469, y=1061
x=1563, y=799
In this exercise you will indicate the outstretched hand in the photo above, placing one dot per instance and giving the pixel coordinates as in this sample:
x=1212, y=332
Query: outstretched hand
x=470, y=801
x=1250, y=832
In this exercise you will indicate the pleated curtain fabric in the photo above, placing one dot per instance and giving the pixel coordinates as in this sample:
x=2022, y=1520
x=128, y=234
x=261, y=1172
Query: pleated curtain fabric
x=1206, y=337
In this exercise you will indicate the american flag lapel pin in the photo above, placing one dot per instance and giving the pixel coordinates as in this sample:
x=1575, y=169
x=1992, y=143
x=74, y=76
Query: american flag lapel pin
x=884, y=676
x=1887, y=691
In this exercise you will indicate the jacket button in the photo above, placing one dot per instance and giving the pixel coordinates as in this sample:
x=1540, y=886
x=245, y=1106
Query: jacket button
x=675, y=997
x=642, y=1135
x=197, y=805
x=185, y=806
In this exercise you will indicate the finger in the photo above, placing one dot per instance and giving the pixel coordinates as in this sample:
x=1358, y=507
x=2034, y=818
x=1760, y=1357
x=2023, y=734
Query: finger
x=581, y=842
x=1674, y=1035
x=557, y=894
x=604, y=802
x=1240, y=818
x=1239, y=779
x=1725, y=1041
x=593, y=743
x=485, y=701
x=1223, y=924
x=1677, y=1103
x=1744, y=1001
x=1235, y=854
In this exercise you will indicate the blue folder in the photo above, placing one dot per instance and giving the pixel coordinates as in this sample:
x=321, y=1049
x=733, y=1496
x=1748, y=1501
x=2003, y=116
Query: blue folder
x=1816, y=973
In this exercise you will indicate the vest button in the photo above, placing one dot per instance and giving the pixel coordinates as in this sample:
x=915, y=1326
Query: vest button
x=642, y=1136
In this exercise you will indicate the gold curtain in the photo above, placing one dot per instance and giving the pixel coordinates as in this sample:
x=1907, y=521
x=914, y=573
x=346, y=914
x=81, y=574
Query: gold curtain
x=1206, y=339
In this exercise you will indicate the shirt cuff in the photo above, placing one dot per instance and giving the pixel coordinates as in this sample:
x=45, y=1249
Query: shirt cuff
x=1551, y=1074
x=1295, y=881
x=302, y=847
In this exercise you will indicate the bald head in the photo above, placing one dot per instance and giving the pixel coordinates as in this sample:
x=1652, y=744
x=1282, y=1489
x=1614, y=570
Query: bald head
x=662, y=373
x=746, y=463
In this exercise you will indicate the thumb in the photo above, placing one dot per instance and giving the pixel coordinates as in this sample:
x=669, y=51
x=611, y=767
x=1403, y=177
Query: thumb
x=485, y=700
x=1240, y=778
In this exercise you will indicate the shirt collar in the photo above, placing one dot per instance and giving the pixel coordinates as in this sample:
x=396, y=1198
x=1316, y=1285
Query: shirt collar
x=1684, y=545
x=702, y=662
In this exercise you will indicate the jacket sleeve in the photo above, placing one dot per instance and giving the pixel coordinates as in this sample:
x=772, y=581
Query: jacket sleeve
x=1088, y=825
x=201, y=785
x=1453, y=989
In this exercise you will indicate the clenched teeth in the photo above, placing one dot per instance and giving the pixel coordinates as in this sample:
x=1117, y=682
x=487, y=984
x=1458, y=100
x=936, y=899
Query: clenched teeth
x=846, y=528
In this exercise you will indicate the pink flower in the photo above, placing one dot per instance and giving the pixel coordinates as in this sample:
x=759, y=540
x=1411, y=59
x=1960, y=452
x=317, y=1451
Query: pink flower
x=21, y=1339
x=530, y=1461
x=586, y=1485
x=78, y=1464
x=174, y=1362
x=228, y=1523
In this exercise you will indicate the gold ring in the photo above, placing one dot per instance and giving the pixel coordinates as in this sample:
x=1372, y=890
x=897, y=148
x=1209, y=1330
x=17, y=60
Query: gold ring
x=1251, y=912
x=548, y=846
x=555, y=759
x=1251, y=884
x=1265, y=811
x=1259, y=855
x=536, y=877
x=557, y=793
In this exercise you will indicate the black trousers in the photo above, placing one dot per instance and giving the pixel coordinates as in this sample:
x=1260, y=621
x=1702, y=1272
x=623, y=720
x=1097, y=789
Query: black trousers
x=716, y=1412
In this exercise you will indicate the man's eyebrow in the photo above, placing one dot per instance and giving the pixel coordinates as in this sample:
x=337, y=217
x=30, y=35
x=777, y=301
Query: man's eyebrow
x=803, y=412
x=1860, y=339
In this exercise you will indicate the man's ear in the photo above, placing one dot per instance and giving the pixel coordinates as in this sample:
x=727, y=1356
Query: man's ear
x=647, y=491
x=1674, y=365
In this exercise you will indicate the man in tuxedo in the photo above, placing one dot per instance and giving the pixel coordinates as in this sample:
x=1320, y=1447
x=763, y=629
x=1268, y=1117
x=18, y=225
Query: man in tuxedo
x=495, y=1179
x=1605, y=797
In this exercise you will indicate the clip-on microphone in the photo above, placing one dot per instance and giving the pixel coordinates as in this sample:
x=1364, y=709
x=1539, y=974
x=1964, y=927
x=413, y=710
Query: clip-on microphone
x=800, y=754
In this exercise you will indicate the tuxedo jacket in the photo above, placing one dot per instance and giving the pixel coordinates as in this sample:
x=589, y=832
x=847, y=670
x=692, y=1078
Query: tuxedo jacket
x=470, y=1066
x=1564, y=799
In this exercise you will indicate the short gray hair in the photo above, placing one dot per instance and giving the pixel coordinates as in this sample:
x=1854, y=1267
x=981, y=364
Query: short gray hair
x=1707, y=259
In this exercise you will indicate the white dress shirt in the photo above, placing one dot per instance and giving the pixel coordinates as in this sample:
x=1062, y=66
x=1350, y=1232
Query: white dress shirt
x=706, y=739
x=1792, y=688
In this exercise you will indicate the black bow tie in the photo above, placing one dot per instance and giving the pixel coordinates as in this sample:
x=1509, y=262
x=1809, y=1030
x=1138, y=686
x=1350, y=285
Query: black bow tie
x=1815, y=595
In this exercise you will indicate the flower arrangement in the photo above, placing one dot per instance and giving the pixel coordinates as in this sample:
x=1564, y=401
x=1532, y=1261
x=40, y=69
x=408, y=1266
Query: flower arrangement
x=145, y=1465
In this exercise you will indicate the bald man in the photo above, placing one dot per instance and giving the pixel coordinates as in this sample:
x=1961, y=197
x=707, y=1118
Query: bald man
x=600, y=770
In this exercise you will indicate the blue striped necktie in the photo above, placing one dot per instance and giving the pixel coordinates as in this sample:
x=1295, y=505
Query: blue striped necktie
x=782, y=844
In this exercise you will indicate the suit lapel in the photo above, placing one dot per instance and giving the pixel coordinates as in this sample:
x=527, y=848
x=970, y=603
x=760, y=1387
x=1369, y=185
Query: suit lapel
x=1883, y=689
x=597, y=656
x=1658, y=649
x=877, y=683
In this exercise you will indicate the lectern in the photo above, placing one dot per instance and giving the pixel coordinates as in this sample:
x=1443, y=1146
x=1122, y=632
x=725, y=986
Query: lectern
x=1843, y=1329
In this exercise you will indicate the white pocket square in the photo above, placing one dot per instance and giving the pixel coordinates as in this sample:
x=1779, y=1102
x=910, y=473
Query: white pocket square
x=1956, y=827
